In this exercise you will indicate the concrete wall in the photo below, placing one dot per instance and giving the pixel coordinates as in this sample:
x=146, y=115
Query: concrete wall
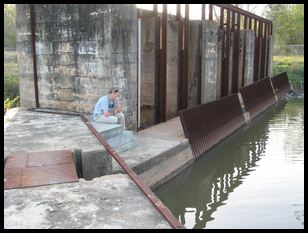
x=81, y=50
x=147, y=79
x=209, y=61
x=219, y=63
x=172, y=69
x=270, y=55
x=194, y=37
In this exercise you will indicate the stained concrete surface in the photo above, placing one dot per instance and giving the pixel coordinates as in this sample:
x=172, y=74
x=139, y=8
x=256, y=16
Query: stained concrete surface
x=107, y=202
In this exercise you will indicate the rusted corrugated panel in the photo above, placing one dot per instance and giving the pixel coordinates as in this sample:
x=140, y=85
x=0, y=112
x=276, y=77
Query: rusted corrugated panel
x=281, y=84
x=24, y=169
x=207, y=124
x=257, y=97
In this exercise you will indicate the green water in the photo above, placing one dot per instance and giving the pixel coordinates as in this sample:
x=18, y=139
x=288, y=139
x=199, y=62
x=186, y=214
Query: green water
x=253, y=179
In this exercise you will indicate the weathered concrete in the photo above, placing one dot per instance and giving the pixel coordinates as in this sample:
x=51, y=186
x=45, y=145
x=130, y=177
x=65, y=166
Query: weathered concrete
x=249, y=56
x=36, y=131
x=209, y=61
x=270, y=55
x=107, y=202
x=148, y=69
x=194, y=53
x=81, y=51
x=219, y=63
x=158, y=153
x=172, y=69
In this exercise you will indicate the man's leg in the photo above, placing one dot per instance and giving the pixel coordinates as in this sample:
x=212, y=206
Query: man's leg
x=121, y=118
x=108, y=120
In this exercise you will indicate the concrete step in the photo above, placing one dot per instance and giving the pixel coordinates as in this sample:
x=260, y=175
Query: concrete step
x=123, y=142
x=107, y=130
x=148, y=152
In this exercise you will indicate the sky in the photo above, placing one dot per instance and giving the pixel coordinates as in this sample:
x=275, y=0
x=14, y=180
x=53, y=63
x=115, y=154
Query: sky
x=195, y=9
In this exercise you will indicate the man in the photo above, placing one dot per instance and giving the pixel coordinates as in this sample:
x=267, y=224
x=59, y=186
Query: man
x=108, y=109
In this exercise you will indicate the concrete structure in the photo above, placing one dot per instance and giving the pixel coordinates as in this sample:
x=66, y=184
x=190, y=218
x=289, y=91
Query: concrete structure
x=270, y=55
x=81, y=51
x=148, y=70
x=249, y=55
x=209, y=61
x=108, y=202
x=172, y=69
x=157, y=154
x=194, y=54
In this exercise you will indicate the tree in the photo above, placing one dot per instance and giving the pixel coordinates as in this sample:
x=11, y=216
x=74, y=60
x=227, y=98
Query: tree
x=9, y=25
x=288, y=22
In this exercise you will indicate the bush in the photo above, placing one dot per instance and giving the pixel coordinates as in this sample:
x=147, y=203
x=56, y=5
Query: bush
x=11, y=86
x=11, y=103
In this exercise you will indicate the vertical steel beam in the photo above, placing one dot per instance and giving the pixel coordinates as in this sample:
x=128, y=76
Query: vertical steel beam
x=32, y=23
x=180, y=60
x=256, y=56
x=163, y=66
x=250, y=23
x=236, y=53
x=155, y=13
x=203, y=11
x=210, y=11
x=266, y=50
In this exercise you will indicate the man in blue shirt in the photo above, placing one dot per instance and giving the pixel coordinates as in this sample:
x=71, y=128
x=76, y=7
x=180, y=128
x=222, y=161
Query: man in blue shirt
x=108, y=109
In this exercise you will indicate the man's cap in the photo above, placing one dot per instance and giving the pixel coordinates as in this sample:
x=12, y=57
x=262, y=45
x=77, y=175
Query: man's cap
x=114, y=89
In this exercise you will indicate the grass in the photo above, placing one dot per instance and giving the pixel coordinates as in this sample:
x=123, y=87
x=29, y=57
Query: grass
x=294, y=65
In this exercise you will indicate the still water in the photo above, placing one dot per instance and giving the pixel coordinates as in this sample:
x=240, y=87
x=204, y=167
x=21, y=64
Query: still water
x=253, y=179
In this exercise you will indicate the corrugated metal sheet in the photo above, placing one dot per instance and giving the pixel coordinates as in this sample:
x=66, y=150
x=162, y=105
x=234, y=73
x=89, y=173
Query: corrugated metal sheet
x=257, y=97
x=207, y=124
x=281, y=84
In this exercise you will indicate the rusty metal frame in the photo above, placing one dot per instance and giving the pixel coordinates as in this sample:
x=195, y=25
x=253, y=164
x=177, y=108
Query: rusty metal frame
x=280, y=84
x=32, y=25
x=184, y=102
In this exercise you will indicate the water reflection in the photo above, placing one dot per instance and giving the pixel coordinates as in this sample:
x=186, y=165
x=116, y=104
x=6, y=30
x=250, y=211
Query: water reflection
x=195, y=194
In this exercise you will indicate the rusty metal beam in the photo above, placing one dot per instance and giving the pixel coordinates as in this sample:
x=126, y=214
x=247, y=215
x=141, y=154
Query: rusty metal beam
x=32, y=24
x=210, y=11
x=243, y=12
x=180, y=60
x=185, y=59
x=203, y=11
x=155, y=13
x=227, y=53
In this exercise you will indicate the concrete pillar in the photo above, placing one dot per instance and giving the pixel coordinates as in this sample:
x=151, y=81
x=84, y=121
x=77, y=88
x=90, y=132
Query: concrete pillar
x=270, y=55
x=219, y=54
x=172, y=69
x=249, y=56
x=147, y=79
x=194, y=36
x=209, y=61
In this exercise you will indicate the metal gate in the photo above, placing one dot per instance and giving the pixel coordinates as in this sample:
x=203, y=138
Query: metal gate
x=207, y=124
x=281, y=84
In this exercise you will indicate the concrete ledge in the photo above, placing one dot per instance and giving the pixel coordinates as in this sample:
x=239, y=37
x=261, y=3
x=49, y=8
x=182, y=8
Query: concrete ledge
x=106, y=202
x=107, y=130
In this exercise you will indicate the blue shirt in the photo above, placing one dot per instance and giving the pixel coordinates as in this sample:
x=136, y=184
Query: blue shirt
x=104, y=104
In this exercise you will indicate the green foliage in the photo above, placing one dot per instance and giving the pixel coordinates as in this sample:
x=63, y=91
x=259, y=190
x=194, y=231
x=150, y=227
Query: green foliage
x=11, y=103
x=294, y=67
x=288, y=22
x=9, y=25
x=11, y=86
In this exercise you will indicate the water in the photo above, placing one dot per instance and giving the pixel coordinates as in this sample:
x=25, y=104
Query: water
x=253, y=179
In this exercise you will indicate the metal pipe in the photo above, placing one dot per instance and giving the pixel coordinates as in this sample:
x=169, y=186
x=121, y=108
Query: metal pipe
x=37, y=104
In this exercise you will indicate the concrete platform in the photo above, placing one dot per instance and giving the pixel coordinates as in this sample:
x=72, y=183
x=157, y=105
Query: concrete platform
x=157, y=154
x=107, y=202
